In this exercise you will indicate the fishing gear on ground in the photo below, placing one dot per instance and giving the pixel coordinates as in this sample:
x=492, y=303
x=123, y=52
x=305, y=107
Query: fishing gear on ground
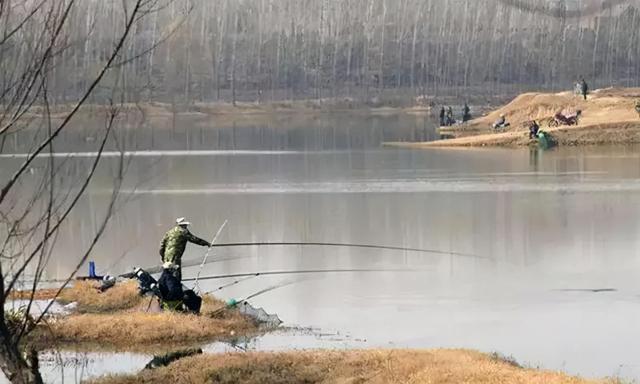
x=169, y=291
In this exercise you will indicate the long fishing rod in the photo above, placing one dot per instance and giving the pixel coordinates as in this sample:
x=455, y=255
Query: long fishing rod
x=194, y=262
x=349, y=245
x=236, y=282
x=304, y=272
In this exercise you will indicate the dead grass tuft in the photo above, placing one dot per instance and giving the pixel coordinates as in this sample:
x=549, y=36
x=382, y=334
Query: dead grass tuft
x=91, y=300
x=40, y=294
x=137, y=329
x=375, y=366
x=274, y=371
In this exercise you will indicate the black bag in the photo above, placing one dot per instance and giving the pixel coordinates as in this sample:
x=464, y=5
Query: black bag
x=170, y=287
x=192, y=301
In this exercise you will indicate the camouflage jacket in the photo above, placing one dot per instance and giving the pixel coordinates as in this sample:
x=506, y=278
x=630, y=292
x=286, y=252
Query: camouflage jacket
x=174, y=243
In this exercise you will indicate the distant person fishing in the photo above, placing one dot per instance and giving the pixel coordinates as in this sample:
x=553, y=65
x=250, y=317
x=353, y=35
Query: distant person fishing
x=584, y=88
x=466, y=113
x=446, y=117
x=534, y=127
x=501, y=123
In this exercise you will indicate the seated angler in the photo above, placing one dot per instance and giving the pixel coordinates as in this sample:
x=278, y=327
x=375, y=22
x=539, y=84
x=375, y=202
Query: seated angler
x=501, y=123
x=533, y=129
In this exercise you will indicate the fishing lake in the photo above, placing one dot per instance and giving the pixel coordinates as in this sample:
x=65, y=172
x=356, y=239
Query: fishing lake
x=550, y=238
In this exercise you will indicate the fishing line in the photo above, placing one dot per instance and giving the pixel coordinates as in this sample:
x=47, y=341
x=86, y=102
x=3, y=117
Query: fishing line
x=350, y=245
x=587, y=290
x=220, y=288
x=194, y=262
x=254, y=295
x=305, y=272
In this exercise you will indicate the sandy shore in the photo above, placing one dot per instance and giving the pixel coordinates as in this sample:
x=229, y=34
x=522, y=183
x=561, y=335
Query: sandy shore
x=608, y=117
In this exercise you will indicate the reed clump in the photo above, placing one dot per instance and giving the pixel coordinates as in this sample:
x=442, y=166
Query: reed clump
x=39, y=294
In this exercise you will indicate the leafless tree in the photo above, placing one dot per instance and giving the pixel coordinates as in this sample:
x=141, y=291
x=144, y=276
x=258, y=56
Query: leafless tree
x=249, y=50
x=38, y=40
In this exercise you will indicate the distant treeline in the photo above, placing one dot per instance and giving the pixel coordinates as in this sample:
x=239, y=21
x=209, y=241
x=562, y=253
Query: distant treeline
x=261, y=50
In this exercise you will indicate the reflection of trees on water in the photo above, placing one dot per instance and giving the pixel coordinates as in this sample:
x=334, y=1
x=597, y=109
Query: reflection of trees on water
x=568, y=8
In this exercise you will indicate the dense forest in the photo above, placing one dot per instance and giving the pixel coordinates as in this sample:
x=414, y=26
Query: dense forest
x=187, y=51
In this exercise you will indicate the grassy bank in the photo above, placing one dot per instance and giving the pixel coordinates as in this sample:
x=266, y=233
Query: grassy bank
x=121, y=319
x=608, y=117
x=375, y=366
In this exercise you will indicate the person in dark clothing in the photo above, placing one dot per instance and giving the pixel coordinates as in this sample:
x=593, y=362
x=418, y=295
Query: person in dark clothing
x=584, y=88
x=638, y=107
x=450, y=120
x=533, y=129
x=442, y=115
x=466, y=113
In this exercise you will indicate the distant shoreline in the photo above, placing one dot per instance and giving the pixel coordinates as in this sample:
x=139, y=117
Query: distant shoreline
x=608, y=117
x=222, y=113
x=157, y=109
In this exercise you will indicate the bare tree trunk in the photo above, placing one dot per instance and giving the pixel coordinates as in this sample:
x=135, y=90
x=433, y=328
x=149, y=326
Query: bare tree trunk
x=233, y=57
x=45, y=32
x=382, y=41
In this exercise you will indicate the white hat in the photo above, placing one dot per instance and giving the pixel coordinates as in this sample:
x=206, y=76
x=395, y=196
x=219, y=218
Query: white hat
x=182, y=221
x=169, y=265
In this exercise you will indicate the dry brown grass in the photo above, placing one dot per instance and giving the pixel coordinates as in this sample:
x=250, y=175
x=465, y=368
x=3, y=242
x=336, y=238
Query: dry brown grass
x=125, y=321
x=40, y=294
x=376, y=366
x=137, y=330
x=91, y=300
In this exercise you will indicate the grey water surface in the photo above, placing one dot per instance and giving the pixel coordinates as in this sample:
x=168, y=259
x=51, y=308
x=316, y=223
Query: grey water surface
x=547, y=228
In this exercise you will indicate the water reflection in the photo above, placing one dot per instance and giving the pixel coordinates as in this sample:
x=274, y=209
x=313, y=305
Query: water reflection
x=330, y=131
x=549, y=221
x=79, y=366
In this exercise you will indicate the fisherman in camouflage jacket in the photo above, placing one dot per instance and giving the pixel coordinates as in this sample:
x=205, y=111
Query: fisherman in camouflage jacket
x=174, y=243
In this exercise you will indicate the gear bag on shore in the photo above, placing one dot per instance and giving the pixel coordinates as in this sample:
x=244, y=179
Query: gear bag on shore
x=169, y=291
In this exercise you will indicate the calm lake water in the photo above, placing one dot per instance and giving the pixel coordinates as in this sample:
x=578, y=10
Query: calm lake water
x=546, y=228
